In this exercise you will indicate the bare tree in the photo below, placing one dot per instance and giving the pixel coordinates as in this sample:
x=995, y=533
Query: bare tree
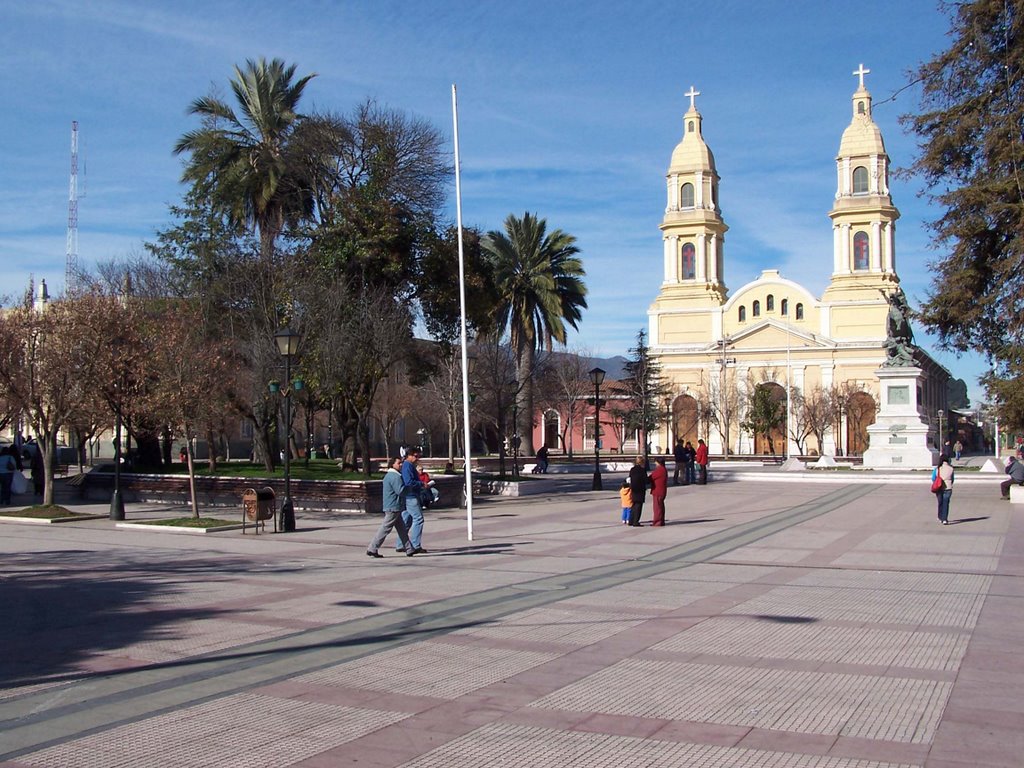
x=497, y=387
x=190, y=393
x=813, y=414
x=845, y=401
x=565, y=386
x=441, y=395
x=721, y=403
x=49, y=365
x=395, y=400
x=801, y=417
x=359, y=338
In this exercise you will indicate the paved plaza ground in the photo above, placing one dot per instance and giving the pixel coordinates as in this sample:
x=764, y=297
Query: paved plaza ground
x=774, y=622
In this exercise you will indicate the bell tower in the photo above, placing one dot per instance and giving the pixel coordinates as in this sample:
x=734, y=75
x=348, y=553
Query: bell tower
x=863, y=216
x=693, y=231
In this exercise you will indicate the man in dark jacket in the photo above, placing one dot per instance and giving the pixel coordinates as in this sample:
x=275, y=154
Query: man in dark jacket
x=1015, y=470
x=679, y=454
x=638, y=489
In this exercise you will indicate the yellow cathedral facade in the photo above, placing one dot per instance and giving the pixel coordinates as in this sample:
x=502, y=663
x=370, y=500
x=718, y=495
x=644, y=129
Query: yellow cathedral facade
x=716, y=349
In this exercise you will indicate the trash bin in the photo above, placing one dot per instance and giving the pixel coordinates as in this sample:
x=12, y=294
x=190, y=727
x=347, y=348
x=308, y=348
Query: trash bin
x=258, y=506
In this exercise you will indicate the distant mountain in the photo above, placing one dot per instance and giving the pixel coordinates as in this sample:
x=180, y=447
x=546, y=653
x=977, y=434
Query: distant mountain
x=614, y=367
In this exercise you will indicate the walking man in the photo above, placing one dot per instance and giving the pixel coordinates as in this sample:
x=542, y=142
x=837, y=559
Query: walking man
x=413, y=515
x=393, y=508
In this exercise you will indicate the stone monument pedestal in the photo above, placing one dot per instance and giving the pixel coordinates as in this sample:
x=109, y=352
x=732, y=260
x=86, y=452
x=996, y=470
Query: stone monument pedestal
x=899, y=437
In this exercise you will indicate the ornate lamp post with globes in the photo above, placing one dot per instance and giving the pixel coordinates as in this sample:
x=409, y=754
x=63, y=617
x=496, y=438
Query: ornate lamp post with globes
x=288, y=345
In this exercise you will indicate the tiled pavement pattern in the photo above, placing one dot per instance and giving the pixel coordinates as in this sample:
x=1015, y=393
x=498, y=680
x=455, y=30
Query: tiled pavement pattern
x=772, y=626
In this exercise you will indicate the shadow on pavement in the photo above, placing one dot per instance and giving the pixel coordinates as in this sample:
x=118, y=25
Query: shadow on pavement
x=967, y=520
x=696, y=520
x=404, y=632
x=493, y=548
x=64, y=607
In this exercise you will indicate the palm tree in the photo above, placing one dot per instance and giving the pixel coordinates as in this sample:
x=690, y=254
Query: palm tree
x=538, y=277
x=244, y=162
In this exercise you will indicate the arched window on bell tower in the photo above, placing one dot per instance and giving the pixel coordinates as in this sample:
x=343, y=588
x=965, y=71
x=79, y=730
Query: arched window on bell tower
x=861, y=251
x=860, y=180
x=686, y=196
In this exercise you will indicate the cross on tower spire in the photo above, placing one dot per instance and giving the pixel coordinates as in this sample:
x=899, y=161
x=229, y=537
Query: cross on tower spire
x=691, y=93
x=860, y=72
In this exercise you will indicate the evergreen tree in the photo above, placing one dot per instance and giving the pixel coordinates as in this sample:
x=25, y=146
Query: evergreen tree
x=645, y=389
x=972, y=163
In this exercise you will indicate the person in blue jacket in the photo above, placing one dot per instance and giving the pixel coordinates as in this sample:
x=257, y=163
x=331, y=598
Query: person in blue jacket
x=393, y=508
x=413, y=515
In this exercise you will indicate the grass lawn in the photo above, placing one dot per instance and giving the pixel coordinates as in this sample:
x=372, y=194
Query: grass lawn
x=41, y=512
x=189, y=522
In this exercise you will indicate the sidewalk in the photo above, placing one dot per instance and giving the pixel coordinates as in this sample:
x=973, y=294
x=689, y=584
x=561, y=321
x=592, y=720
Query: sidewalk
x=769, y=624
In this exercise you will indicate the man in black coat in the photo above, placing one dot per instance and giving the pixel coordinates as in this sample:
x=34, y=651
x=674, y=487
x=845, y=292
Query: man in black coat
x=679, y=454
x=638, y=490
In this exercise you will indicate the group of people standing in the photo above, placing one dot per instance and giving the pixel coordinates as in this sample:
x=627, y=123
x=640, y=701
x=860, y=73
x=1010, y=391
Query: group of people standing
x=12, y=462
x=691, y=462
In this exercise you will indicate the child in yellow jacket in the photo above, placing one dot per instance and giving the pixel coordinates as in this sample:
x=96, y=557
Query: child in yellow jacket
x=626, y=497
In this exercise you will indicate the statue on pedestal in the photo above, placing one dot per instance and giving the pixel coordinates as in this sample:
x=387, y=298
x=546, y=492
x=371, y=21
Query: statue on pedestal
x=899, y=342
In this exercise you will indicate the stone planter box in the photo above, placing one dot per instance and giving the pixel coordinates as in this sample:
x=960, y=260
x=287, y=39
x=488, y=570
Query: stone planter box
x=307, y=495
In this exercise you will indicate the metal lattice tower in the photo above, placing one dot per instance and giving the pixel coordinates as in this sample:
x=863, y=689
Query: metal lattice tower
x=71, y=264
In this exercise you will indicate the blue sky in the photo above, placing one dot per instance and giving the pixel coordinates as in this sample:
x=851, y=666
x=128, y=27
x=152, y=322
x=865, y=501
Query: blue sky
x=567, y=109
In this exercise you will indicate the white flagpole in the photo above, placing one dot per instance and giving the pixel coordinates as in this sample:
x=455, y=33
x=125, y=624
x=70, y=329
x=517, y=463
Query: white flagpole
x=467, y=448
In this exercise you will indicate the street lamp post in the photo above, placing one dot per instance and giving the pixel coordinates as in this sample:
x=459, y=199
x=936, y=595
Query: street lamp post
x=668, y=425
x=515, y=429
x=597, y=377
x=942, y=436
x=116, y=501
x=288, y=345
x=724, y=395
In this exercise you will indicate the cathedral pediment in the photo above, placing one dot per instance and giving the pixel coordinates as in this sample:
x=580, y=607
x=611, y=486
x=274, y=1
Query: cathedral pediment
x=777, y=335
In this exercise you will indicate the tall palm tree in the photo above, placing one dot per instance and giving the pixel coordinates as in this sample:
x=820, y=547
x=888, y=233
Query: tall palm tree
x=244, y=162
x=538, y=277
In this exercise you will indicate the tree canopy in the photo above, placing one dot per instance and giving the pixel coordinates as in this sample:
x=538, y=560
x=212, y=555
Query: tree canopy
x=972, y=164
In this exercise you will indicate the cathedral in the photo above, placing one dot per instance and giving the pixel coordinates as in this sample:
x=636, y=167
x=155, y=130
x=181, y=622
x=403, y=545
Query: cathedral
x=717, y=349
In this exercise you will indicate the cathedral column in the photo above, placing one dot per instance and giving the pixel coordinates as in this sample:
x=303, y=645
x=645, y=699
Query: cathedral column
x=713, y=259
x=672, y=193
x=846, y=249
x=698, y=189
x=671, y=261
x=837, y=250
x=876, y=246
x=891, y=237
x=702, y=263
